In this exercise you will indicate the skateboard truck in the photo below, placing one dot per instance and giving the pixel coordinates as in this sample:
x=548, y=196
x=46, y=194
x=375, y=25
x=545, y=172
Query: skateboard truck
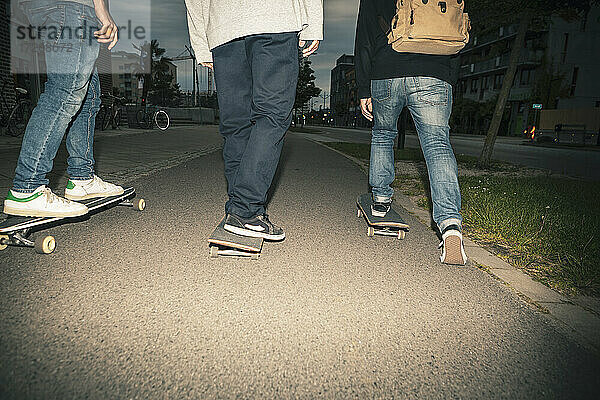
x=43, y=244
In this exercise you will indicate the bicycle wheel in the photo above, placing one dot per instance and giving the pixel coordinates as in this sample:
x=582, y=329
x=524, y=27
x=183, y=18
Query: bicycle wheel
x=117, y=119
x=162, y=120
x=107, y=119
x=140, y=117
x=17, y=121
x=100, y=117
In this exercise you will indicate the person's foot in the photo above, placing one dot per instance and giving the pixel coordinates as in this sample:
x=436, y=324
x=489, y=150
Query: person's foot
x=41, y=203
x=453, y=248
x=380, y=209
x=258, y=226
x=90, y=188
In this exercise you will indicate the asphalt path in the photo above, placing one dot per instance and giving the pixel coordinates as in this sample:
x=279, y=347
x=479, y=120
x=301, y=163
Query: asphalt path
x=583, y=163
x=131, y=306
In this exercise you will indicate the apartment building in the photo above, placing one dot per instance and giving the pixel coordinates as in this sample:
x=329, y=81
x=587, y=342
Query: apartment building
x=556, y=68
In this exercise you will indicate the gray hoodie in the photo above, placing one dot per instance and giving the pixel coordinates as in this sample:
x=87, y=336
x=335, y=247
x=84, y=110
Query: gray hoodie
x=214, y=22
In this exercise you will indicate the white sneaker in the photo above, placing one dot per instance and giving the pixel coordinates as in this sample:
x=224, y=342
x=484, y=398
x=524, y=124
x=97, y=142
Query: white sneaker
x=42, y=203
x=453, y=248
x=90, y=188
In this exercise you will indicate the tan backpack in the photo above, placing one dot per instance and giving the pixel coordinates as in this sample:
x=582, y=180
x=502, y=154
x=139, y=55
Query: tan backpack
x=429, y=27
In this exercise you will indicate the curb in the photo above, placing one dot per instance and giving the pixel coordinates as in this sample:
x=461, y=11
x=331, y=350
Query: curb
x=581, y=321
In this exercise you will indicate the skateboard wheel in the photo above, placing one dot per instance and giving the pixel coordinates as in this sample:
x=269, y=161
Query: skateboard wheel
x=214, y=252
x=3, y=242
x=358, y=213
x=401, y=234
x=44, y=244
x=254, y=256
x=139, y=204
x=370, y=231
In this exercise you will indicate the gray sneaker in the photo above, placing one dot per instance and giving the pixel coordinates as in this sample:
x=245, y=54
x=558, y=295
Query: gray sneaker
x=380, y=209
x=258, y=226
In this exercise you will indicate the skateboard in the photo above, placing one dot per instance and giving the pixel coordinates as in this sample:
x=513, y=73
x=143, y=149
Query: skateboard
x=223, y=243
x=15, y=230
x=390, y=225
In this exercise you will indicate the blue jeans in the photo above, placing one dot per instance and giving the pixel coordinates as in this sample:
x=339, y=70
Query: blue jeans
x=429, y=101
x=256, y=79
x=71, y=98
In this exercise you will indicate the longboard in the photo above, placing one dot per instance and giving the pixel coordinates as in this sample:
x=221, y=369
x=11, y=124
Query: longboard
x=15, y=230
x=390, y=225
x=223, y=243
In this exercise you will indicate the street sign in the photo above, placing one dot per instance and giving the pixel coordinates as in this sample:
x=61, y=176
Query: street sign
x=537, y=106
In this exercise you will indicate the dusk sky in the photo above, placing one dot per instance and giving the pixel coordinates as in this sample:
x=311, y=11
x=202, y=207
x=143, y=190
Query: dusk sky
x=169, y=26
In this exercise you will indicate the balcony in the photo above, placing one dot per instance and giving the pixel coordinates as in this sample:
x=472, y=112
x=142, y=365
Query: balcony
x=527, y=58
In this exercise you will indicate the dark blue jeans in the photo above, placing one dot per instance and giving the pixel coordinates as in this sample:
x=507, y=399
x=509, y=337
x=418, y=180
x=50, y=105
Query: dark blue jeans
x=256, y=79
x=71, y=98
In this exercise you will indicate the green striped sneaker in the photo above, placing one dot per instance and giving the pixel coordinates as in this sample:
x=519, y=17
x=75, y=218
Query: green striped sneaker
x=41, y=203
x=91, y=188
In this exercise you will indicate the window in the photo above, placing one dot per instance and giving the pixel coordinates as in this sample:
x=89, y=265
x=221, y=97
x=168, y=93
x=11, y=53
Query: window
x=474, y=84
x=584, y=22
x=498, y=79
x=565, y=45
x=498, y=61
x=485, y=83
x=472, y=68
x=526, y=77
x=574, y=81
x=501, y=32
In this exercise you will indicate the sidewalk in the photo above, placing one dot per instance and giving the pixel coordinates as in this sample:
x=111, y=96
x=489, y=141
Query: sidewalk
x=115, y=161
x=131, y=306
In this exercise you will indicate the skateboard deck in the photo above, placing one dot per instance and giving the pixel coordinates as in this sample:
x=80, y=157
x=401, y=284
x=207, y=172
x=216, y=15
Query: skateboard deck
x=223, y=243
x=390, y=225
x=15, y=230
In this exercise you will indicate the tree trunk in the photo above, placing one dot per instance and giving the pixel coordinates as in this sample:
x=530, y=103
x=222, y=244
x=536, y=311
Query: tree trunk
x=488, y=146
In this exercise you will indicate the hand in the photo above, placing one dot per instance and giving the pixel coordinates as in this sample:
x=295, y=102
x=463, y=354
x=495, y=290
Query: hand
x=314, y=45
x=207, y=64
x=366, y=107
x=109, y=32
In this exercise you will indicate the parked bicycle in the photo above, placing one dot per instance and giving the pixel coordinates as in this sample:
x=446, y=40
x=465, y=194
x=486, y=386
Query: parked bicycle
x=150, y=116
x=110, y=115
x=14, y=118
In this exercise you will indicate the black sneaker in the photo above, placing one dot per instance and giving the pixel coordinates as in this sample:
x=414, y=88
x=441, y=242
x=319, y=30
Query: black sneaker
x=379, y=209
x=259, y=226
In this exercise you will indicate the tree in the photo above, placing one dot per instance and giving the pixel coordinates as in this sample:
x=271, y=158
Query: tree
x=306, y=89
x=158, y=84
x=492, y=13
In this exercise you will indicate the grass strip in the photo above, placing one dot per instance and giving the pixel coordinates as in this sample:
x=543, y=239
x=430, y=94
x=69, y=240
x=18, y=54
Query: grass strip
x=544, y=225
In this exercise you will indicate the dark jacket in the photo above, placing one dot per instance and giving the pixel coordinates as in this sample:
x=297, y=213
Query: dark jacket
x=374, y=58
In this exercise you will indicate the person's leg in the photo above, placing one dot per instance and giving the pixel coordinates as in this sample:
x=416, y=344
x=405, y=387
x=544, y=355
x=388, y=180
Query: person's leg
x=83, y=182
x=388, y=99
x=70, y=59
x=274, y=64
x=430, y=103
x=233, y=79
x=80, y=138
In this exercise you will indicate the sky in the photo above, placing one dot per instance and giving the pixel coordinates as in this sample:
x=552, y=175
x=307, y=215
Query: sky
x=169, y=26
